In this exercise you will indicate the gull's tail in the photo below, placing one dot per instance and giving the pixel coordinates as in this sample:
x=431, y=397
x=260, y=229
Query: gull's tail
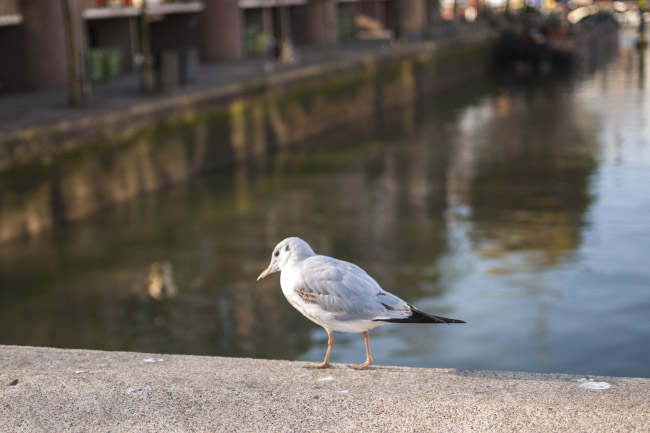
x=418, y=316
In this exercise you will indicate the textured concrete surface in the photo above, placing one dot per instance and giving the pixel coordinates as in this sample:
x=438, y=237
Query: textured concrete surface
x=54, y=390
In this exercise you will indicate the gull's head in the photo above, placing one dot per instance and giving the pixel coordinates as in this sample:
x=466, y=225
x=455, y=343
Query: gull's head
x=287, y=251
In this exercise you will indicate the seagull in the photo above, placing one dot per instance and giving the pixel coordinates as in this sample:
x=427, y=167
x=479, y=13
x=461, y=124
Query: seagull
x=339, y=296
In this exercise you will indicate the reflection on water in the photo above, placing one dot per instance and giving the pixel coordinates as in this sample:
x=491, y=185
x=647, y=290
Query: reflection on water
x=521, y=208
x=160, y=282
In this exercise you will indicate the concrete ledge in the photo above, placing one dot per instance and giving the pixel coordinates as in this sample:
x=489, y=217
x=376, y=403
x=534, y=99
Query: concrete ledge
x=43, y=389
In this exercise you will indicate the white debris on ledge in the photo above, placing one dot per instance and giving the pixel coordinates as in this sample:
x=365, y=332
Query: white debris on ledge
x=592, y=384
x=153, y=360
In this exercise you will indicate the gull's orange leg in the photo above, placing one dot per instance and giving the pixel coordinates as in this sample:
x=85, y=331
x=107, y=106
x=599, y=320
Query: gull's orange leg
x=369, y=359
x=326, y=362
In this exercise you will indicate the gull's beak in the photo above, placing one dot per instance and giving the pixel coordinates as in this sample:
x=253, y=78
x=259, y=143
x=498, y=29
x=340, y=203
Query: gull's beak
x=265, y=273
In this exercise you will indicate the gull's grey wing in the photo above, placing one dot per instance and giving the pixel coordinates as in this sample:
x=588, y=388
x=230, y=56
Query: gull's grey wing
x=346, y=291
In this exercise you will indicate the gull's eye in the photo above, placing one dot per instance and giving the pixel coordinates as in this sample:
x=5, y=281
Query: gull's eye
x=277, y=253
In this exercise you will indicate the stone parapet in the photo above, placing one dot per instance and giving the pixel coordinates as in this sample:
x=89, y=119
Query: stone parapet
x=50, y=390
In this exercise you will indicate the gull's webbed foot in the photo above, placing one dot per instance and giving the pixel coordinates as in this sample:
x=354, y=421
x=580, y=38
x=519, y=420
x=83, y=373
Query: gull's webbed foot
x=322, y=365
x=363, y=366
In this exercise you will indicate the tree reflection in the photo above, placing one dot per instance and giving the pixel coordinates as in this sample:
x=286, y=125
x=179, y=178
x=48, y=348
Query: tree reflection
x=525, y=174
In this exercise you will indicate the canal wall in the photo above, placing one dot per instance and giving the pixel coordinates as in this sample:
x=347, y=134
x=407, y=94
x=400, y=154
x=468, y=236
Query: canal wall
x=59, y=172
x=46, y=390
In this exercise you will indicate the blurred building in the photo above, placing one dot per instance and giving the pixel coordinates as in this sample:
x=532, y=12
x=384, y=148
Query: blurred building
x=107, y=35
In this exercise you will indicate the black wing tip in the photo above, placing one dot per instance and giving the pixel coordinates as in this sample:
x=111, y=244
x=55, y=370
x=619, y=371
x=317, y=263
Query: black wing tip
x=422, y=317
x=418, y=316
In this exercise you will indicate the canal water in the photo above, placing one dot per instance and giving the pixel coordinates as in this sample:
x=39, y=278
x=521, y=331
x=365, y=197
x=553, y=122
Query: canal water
x=520, y=205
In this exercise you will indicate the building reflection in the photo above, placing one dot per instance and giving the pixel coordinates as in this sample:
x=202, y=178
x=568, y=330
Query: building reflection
x=527, y=188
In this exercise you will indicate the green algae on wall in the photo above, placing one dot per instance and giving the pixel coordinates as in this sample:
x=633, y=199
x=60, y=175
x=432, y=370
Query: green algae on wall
x=75, y=183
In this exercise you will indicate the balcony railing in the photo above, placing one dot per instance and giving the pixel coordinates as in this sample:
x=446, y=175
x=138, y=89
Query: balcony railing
x=96, y=9
x=10, y=13
x=249, y=4
x=90, y=4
